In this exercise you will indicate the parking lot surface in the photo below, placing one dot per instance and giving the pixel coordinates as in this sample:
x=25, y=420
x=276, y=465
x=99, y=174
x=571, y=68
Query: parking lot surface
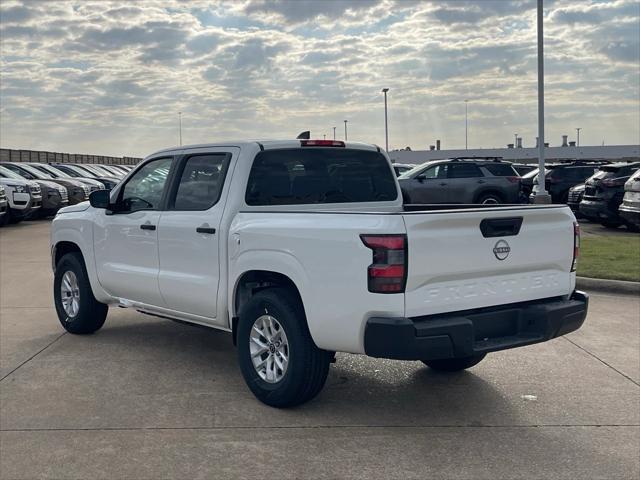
x=147, y=398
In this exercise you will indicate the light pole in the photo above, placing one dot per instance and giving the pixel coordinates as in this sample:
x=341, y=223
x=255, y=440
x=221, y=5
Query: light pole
x=386, y=123
x=578, y=139
x=515, y=140
x=541, y=195
x=345, y=130
x=180, y=126
x=334, y=133
x=466, y=125
x=324, y=136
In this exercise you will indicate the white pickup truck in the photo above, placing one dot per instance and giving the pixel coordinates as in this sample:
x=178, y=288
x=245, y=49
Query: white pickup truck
x=303, y=248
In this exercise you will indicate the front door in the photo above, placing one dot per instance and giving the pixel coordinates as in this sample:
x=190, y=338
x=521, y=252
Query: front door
x=189, y=233
x=430, y=186
x=126, y=239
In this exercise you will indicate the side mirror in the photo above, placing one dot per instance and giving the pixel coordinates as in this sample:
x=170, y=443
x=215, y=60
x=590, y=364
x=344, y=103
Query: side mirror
x=99, y=199
x=421, y=178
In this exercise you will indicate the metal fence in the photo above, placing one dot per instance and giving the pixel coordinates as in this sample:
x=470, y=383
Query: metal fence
x=11, y=155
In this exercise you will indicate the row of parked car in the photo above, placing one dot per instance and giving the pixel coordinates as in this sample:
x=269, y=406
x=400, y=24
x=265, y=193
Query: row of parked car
x=600, y=191
x=37, y=190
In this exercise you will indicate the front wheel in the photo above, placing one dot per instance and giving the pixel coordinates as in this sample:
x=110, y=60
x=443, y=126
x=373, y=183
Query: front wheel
x=78, y=310
x=610, y=224
x=279, y=361
x=454, y=364
x=489, y=199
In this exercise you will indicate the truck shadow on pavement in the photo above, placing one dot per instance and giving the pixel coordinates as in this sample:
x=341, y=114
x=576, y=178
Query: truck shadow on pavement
x=359, y=390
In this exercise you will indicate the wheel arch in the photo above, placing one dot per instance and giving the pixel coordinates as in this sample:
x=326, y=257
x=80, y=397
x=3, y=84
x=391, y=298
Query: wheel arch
x=489, y=191
x=62, y=248
x=250, y=283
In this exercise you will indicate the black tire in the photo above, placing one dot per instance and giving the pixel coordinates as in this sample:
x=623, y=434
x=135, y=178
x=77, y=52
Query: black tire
x=11, y=218
x=610, y=224
x=308, y=365
x=91, y=313
x=489, y=198
x=454, y=364
x=633, y=228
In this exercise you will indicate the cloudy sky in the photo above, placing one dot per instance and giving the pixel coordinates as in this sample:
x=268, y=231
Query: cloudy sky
x=110, y=77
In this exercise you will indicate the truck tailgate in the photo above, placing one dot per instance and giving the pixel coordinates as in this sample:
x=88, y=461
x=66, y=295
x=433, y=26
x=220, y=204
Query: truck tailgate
x=453, y=266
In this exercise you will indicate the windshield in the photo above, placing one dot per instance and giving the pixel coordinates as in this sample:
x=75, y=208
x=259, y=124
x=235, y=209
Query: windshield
x=94, y=170
x=415, y=170
x=35, y=172
x=6, y=173
x=531, y=174
x=69, y=170
x=85, y=170
x=54, y=172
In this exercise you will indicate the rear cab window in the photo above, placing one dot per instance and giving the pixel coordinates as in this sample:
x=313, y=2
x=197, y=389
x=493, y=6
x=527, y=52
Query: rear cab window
x=315, y=175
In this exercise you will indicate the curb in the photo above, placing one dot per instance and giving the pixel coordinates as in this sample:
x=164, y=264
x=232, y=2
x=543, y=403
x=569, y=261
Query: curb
x=608, y=286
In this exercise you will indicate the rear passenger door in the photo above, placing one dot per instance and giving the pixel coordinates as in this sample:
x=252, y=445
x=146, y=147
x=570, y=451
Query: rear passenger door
x=464, y=180
x=189, y=233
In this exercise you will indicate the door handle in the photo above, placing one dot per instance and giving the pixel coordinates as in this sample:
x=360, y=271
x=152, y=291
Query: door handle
x=208, y=230
x=147, y=226
x=481, y=181
x=443, y=184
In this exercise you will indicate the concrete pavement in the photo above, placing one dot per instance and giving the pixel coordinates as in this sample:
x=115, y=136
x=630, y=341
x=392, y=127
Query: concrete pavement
x=146, y=398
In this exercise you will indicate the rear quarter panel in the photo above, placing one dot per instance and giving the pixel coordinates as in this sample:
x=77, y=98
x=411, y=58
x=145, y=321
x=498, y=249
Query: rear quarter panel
x=322, y=253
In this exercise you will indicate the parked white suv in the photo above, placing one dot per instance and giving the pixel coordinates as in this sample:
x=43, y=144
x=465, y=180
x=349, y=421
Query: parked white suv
x=303, y=248
x=24, y=196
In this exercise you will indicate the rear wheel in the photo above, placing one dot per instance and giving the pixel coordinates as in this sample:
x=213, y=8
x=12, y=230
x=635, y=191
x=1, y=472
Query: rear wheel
x=454, y=364
x=278, y=358
x=489, y=199
x=78, y=310
x=610, y=224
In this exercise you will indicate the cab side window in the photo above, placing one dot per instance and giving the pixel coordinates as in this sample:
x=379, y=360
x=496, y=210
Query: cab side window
x=201, y=181
x=144, y=190
x=438, y=171
x=464, y=170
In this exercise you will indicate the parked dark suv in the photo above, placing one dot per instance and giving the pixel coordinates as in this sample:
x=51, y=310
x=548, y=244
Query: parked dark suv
x=560, y=177
x=604, y=192
x=461, y=180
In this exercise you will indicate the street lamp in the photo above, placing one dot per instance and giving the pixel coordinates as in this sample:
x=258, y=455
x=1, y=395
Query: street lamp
x=180, y=126
x=334, y=133
x=466, y=125
x=345, y=130
x=324, y=136
x=541, y=195
x=386, y=123
x=578, y=139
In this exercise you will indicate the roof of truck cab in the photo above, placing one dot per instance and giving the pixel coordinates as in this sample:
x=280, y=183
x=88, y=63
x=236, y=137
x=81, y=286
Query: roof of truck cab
x=265, y=144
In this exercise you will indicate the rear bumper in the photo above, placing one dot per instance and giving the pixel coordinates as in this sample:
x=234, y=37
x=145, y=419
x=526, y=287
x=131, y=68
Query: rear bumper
x=597, y=209
x=630, y=216
x=474, y=332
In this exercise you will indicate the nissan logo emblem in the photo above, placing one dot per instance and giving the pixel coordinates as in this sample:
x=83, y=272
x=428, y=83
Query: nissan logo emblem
x=501, y=250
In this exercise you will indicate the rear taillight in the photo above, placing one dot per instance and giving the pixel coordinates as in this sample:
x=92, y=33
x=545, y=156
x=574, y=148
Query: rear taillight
x=388, y=272
x=613, y=182
x=514, y=179
x=322, y=143
x=576, y=246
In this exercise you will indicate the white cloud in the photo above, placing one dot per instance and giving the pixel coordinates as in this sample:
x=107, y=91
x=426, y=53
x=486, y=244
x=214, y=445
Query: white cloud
x=110, y=77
